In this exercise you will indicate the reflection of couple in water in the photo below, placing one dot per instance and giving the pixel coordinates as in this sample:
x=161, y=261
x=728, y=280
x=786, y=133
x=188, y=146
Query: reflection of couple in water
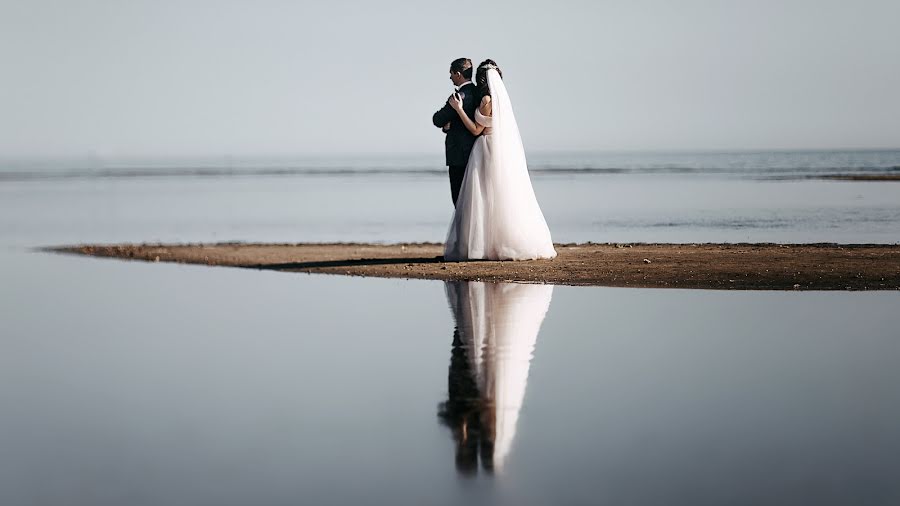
x=496, y=330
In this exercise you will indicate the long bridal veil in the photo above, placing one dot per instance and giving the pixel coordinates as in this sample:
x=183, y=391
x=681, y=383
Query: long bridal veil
x=497, y=215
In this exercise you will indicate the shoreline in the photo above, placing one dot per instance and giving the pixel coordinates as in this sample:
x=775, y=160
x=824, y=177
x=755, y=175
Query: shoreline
x=862, y=177
x=728, y=266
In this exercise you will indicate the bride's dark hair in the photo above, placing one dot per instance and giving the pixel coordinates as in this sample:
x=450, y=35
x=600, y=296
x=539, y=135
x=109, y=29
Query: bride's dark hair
x=481, y=77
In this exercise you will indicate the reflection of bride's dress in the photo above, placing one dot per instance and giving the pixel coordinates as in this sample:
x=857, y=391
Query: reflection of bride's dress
x=496, y=330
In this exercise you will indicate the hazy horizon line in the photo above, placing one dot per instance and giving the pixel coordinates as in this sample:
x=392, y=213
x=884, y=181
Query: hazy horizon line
x=255, y=157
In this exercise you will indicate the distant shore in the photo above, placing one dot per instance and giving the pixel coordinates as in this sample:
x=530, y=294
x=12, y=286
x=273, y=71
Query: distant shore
x=706, y=266
x=863, y=177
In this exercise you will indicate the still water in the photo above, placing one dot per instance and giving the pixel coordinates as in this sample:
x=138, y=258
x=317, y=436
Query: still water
x=135, y=383
x=410, y=207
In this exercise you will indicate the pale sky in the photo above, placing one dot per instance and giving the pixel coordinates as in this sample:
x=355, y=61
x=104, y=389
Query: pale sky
x=167, y=78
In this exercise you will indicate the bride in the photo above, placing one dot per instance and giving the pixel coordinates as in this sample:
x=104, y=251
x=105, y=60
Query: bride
x=497, y=216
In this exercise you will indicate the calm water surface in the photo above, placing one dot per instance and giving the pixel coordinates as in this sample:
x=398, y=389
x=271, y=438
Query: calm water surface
x=136, y=383
x=410, y=207
x=163, y=384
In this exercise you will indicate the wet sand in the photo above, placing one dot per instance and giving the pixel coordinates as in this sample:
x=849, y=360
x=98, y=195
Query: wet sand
x=710, y=266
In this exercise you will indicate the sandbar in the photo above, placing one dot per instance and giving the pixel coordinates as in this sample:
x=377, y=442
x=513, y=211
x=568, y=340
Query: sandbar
x=762, y=266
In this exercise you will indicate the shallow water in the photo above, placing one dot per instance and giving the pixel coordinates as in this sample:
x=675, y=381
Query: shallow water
x=402, y=207
x=136, y=383
x=126, y=382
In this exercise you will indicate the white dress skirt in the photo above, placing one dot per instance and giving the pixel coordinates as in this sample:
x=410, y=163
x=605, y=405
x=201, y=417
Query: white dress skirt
x=497, y=215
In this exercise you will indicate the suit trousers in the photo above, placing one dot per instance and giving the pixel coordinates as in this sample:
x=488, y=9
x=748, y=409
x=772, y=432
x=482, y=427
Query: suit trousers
x=457, y=172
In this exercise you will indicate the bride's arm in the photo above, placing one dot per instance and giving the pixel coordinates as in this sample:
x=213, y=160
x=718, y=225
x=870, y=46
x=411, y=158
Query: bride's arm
x=456, y=104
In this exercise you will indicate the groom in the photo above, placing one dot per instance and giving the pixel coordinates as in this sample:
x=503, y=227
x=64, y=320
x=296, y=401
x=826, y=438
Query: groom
x=459, y=141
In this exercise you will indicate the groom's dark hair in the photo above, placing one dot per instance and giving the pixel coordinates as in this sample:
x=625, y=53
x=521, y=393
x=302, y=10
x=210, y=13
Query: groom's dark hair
x=463, y=66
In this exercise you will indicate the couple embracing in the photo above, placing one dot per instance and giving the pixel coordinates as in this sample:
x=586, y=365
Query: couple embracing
x=497, y=216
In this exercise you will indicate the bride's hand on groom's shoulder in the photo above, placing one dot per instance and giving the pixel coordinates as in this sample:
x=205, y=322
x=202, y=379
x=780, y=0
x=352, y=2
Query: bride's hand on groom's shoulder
x=455, y=101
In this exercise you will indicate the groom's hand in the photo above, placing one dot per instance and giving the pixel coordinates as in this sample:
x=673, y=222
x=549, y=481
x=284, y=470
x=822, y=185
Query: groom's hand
x=446, y=127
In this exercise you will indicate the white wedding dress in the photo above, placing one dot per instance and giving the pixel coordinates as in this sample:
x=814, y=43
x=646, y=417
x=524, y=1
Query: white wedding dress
x=497, y=216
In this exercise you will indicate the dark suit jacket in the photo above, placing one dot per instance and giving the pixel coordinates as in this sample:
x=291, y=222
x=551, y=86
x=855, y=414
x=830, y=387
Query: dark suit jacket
x=459, y=141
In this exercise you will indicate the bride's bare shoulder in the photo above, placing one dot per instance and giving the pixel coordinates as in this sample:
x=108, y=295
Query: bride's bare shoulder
x=485, y=106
